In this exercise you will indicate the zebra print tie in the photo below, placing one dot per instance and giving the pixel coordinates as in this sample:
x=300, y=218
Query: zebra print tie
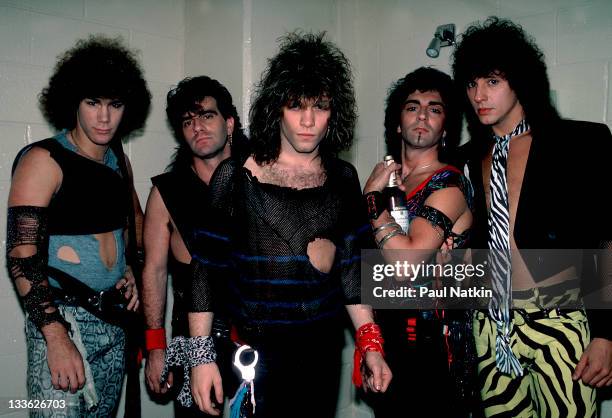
x=500, y=257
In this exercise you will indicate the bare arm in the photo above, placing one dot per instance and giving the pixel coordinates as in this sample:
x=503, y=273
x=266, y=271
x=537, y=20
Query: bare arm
x=422, y=235
x=128, y=281
x=154, y=281
x=138, y=214
x=205, y=377
x=378, y=373
x=37, y=177
x=155, y=275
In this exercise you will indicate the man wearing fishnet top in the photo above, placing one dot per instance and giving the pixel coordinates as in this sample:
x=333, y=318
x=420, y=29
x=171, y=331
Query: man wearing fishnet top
x=284, y=256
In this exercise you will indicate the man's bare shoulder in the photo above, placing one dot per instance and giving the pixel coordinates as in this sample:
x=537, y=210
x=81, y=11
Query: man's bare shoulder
x=35, y=157
x=36, y=177
x=155, y=204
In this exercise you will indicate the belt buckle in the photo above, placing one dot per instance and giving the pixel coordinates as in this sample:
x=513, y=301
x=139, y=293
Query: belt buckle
x=96, y=300
x=68, y=299
x=556, y=311
x=543, y=313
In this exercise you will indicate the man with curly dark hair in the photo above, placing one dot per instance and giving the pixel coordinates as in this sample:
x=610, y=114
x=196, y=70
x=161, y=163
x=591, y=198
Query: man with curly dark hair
x=422, y=127
x=70, y=200
x=207, y=127
x=283, y=258
x=540, y=353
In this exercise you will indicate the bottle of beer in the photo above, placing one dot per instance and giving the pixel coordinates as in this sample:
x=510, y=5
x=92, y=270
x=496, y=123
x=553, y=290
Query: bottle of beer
x=396, y=198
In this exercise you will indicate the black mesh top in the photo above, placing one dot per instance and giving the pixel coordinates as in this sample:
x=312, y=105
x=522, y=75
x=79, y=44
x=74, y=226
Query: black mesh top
x=256, y=267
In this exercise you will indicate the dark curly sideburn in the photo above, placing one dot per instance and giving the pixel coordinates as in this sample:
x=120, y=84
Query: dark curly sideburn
x=185, y=98
x=503, y=47
x=423, y=79
x=306, y=67
x=96, y=67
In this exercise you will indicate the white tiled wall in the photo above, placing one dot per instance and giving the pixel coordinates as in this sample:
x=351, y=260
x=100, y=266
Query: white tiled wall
x=230, y=40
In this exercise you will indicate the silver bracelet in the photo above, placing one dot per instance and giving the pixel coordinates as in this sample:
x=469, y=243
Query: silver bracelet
x=390, y=235
x=385, y=226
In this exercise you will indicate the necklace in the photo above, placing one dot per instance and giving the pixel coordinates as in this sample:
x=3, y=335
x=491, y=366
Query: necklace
x=83, y=153
x=418, y=168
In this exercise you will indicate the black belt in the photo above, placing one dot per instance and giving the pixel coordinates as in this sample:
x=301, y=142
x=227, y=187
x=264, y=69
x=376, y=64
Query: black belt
x=545, y=313
x=109, y=304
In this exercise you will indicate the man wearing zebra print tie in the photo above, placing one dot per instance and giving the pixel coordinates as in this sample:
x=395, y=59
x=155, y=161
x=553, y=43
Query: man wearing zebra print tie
x=535, y=188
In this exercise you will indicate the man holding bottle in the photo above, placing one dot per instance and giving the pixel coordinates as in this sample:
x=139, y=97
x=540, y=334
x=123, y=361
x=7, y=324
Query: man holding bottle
x=422, y=124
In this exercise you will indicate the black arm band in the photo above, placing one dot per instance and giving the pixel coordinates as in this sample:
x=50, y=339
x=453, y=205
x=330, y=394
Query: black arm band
x=436, y=218
x=27, y=225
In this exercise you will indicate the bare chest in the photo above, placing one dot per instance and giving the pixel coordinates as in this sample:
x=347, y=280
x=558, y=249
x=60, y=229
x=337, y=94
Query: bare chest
x=518, y=155
x=294, y=178
x=413, y=184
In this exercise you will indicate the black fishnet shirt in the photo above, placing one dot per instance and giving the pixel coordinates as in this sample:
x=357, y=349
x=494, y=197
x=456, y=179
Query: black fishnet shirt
x=256, y=268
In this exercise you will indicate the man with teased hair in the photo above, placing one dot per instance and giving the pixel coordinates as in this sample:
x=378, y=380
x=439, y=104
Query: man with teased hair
x=283, y=259
x=207, y=128
x=70, y=200
x=422, y=128
x=540, y=353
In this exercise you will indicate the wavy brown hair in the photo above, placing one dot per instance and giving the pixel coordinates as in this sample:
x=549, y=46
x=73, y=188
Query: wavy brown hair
x=500, y=46
x=423, y=79
x=185, y=98
x=96, y=67
x=306, y=67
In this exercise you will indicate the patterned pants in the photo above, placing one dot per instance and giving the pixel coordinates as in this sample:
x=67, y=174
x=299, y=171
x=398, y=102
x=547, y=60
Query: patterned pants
x=549, y=350
x=105, y=353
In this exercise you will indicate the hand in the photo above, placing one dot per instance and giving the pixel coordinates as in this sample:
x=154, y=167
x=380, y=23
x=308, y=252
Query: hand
x=65, y=361
x=153, y=371
x=380, y=177
x=129, y=289
x=204, y=378
x=595, y=365
x=443, y=255
x=376, y=374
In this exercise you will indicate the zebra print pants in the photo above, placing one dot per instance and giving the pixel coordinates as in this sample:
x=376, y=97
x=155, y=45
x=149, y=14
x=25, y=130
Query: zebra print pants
x=549, y=350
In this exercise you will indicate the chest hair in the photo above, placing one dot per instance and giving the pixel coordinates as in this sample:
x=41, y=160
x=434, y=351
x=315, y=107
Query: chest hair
x=294, y=178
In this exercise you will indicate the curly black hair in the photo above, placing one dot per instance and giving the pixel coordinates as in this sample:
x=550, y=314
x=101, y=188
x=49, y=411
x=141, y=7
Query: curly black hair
x=306, y=67
x=185, y=98
x=423, y=79
x=96, y=67
x=499, y=46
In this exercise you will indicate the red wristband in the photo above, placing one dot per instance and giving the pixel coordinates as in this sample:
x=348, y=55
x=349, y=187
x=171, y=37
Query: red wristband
x=155, y=339
x=367, y=338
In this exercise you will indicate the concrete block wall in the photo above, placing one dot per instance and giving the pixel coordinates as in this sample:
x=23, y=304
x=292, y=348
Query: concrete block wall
x=230, y=40
x=33, y=33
